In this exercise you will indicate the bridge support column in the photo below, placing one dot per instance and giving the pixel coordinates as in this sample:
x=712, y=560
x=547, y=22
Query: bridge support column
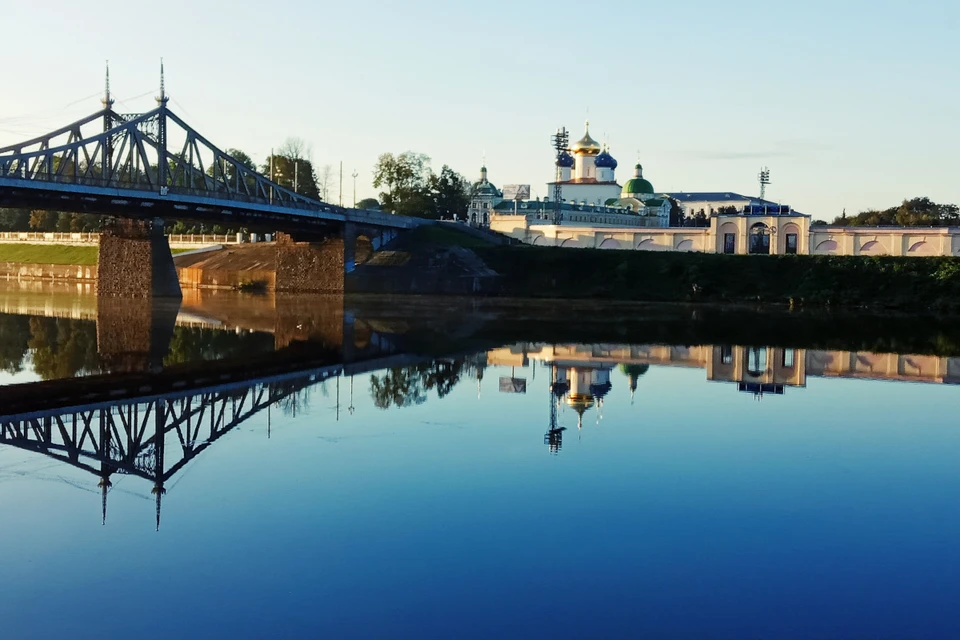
x=315, y=264
x=135, y=262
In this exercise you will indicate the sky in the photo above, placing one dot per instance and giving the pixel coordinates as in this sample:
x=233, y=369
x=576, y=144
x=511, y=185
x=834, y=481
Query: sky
x=851, y=104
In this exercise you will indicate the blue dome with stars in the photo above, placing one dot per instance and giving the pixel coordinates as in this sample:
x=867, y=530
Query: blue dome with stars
x=565, y=160
x=606, y=161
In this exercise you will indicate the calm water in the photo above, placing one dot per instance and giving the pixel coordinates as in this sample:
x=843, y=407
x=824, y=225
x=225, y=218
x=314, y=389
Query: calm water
x=470, y=487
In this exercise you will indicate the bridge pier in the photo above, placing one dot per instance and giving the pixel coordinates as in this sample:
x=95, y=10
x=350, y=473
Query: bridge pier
x=315, y=263
x=135, y=261
x=133, y=336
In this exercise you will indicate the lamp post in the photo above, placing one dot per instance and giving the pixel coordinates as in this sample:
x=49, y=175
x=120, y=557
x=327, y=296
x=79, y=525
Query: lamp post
x=354, y=176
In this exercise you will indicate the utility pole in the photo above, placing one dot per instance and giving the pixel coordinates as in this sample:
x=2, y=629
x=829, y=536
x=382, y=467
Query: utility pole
x=341, y=183
x=271, y=175
x=354, y=176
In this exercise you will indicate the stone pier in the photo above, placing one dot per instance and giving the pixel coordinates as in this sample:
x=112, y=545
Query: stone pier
x=315, y=263
x=135, y=261
x=133, y=335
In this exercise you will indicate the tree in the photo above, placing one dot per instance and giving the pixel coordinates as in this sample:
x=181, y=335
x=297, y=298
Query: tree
x=404, y=179
x=916, y=212
x=676, y=214
x=325, y=182
x=14, y=219
x=368, y=203
x=296, y=174
x=450, y=193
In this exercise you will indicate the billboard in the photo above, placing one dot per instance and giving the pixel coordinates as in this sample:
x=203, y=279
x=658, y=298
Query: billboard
x=516, y=192
x=513, y=385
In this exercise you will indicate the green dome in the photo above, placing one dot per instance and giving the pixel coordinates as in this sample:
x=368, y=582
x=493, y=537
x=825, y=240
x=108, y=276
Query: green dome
x=637, y=186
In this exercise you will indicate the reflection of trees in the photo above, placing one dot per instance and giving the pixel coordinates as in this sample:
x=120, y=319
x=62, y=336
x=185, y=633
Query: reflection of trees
x=14, y=339
x=408, y=386
x=190, y=344
x=63, y=347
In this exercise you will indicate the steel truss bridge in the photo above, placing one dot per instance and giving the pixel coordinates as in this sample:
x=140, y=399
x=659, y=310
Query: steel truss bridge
x=154, y=165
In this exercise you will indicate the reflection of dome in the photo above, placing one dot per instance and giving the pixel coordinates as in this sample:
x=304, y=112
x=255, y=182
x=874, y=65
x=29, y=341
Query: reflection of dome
x=605, y=160
x=600, y=390
x=586, y=145
x=637, y=185
x=580, y=402
x=565, y=160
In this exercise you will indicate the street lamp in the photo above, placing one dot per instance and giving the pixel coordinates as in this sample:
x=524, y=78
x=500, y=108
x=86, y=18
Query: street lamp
x=354, y=176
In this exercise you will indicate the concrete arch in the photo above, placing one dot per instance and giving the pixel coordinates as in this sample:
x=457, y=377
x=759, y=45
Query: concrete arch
x=872, y=248
x=649, y=245
x=827, y=247
x=610, y=243
x=922, y=248
x=540, y=241
x=685, y=245
x=570, y=242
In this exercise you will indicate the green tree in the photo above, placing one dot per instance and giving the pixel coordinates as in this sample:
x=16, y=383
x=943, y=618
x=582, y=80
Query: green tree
x=368, y=203
x=450, y=194
x=14, y=220
x=916, y=212
x=287, y=171
x=404, y=179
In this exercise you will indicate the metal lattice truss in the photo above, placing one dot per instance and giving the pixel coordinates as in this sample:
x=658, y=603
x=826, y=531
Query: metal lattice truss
x=150, y=439
x=153, y=152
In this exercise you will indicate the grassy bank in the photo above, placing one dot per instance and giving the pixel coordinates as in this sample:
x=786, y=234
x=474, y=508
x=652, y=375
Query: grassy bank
x=48, y=254
x=910, y=284
x=53, y=254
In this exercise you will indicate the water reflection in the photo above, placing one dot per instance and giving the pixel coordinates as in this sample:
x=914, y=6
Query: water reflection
x=444, y=458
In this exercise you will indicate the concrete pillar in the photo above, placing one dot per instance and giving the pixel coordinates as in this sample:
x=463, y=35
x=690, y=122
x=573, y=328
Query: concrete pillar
x=134, y=261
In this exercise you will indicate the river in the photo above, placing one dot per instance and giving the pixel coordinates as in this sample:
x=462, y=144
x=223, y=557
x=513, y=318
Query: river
x=243, y=466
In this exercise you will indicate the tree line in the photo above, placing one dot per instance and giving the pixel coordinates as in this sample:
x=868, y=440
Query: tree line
x=915, y=212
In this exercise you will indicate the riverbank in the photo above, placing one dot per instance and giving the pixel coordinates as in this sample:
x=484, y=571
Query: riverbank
x=909, y=284
x=443, y=261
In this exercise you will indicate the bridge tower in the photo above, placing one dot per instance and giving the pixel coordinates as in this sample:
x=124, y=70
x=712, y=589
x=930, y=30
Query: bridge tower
x=162, y=100
x=134, y=258
x=107, y=102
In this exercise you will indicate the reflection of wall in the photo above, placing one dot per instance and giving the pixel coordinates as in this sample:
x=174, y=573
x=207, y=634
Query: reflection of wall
x=767, y=365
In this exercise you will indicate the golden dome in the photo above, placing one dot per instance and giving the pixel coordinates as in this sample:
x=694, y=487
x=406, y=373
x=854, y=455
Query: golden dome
x=586, y=145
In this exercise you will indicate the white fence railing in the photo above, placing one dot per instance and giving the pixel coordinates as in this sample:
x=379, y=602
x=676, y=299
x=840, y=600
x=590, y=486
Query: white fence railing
x=206, y=239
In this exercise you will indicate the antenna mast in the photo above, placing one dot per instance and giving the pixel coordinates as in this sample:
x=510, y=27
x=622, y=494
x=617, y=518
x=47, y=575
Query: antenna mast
x=561, y=142
x=764, y=179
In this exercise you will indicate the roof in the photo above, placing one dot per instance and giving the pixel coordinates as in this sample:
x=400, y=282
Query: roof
x=714, y=196
x=654, y=202
x=528, y=206
x=583, y=181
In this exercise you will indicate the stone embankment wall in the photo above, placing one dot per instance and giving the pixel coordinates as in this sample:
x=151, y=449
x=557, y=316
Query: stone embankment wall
x=310, y=266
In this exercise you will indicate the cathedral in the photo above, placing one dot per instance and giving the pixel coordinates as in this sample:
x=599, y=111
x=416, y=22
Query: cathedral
x=586, y=175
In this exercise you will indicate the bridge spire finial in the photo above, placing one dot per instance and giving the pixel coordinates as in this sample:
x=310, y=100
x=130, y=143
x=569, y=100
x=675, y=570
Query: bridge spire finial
x=162, y=98
x=107, y=98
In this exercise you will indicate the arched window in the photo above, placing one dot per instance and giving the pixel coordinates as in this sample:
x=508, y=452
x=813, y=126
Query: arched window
x=760, y=239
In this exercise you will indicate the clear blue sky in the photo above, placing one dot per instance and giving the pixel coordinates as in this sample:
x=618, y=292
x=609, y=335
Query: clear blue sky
x=852, y=104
